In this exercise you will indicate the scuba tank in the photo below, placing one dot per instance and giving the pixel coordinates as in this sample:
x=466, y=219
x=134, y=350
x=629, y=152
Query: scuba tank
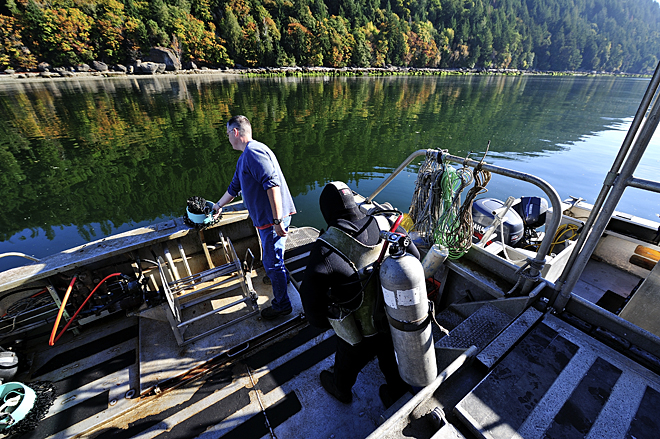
x=408, y=313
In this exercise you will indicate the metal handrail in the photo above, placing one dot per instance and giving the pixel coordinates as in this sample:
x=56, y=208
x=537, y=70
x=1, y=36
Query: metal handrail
x=555, y=201
x=22, y=255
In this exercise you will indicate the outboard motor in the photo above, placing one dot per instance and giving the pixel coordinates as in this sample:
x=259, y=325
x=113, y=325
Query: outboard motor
x=408, y=313
x=532, y=211
x=483, y=218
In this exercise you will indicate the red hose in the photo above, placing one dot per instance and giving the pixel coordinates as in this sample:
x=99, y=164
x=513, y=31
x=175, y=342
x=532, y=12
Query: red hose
x=393, y=229
x=51, y=342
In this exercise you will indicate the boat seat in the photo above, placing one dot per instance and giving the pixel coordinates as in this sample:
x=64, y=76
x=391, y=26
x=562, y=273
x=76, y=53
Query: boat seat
x=643, y=308
x=645, y=257
x=212, y=284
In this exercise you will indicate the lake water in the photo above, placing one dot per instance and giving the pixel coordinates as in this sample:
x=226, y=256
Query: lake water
x=80, y=160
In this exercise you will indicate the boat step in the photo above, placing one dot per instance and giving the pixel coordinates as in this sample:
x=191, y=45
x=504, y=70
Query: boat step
x=476, y=330
x=299, y=242
x=560, y=383
x=498, y=347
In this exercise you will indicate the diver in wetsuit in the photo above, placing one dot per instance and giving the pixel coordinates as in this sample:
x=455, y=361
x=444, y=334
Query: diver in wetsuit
x=339, y=290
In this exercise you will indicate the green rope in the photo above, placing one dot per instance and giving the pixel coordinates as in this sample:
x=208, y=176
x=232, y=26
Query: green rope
x=448, y=230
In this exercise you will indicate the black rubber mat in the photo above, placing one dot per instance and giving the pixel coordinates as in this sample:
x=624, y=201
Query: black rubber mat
x=579, y=413
x=293, y=367
x=70, y=416
x=280, y=348
x=560, y=383
x=255, y=427
x=88, y=350
x=199, y=423
x=96, y=372
x=523, y=376
x=646, y=423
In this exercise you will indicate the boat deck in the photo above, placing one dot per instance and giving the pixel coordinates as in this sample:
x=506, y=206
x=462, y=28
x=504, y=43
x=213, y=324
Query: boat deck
x=132, y=372
x=560, y=383
x=260, y=379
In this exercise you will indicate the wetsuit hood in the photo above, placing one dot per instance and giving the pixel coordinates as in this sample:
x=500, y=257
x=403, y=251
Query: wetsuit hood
x=337, y=202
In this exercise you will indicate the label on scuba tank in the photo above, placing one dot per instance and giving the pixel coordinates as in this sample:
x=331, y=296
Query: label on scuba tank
x=397, y=298
x=408, y=297
x=390, y=298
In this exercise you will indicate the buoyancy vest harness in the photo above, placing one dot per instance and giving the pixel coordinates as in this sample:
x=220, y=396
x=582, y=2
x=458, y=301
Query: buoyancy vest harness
x=351, y=325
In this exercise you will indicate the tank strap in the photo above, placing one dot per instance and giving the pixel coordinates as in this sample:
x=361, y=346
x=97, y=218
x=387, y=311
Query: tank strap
x=411, y=326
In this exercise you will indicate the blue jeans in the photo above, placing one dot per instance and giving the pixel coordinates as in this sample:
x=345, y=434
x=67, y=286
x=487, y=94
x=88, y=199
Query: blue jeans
x=272, y=250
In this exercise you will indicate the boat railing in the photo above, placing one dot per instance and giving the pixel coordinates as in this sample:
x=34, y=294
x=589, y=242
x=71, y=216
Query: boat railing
x=552, y=226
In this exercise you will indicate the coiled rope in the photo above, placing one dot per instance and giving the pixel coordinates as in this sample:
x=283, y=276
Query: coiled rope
x=436, y=209
x=426, y=205
x=455, y=227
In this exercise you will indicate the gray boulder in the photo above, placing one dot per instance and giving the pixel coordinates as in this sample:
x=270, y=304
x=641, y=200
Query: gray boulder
x=148, y=68
x=161, y=67
x=83, y=68
x=165, y=56
x=99, y=66
x=44, y=67
x=121, y=68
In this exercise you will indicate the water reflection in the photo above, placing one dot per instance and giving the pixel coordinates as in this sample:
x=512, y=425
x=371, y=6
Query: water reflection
x=80, y=159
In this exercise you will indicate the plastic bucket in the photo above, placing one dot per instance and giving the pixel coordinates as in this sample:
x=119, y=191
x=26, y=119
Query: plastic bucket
x=12, y=414
x=198, y=218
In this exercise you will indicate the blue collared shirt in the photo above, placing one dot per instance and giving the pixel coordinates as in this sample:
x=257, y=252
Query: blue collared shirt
x=257, y=170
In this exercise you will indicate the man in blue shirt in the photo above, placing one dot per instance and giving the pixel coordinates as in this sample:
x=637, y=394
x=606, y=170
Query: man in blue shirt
x=260, y=181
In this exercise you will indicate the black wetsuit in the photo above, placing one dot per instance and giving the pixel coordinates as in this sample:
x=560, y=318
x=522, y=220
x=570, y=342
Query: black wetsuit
x=328, y=276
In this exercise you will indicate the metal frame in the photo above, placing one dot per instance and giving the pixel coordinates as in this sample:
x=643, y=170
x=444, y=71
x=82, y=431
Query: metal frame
x=551, y=227
x=617, y=180
x=230, y=272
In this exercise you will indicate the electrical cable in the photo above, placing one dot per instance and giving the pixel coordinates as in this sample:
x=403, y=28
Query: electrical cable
x=20, y=290
x=564, y=229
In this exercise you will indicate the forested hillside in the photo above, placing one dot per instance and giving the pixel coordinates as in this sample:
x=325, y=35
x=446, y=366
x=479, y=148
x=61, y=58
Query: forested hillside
x=584, y=35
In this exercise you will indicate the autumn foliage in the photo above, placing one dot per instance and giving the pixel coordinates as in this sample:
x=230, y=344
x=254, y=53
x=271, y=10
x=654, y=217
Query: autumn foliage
x=610, y=35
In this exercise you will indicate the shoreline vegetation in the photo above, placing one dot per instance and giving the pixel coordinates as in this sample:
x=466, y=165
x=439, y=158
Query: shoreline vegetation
x=61, y=73
x=473, y=36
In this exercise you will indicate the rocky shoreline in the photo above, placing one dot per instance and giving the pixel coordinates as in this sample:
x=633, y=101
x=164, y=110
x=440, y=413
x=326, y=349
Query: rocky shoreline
x=152, y=68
